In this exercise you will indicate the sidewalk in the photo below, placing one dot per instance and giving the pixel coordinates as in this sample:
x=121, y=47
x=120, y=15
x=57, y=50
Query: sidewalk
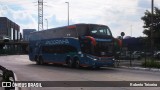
x=141, y=68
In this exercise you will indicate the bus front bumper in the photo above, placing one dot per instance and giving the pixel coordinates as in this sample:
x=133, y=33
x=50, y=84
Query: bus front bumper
x=102, y=62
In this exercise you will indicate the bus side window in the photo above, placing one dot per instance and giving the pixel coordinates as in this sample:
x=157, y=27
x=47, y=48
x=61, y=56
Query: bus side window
x=69, y=49
x=59, y=49
x=30, y=50
x=53, y=49
x=45, y=49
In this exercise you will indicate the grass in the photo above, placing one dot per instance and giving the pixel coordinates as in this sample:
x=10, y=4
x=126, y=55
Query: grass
x=151, y=63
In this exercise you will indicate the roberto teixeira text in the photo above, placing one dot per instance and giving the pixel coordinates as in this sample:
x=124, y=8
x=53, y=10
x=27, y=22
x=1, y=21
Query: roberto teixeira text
x=9, y=84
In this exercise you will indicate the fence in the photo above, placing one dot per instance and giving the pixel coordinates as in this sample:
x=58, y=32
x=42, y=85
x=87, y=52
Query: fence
x=146, y=60
x=13, y=49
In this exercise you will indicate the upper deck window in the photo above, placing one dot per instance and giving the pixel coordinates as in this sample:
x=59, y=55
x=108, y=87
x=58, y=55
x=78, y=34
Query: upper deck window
x=100, y=30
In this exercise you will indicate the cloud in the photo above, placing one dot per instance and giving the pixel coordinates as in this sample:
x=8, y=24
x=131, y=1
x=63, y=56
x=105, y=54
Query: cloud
x=144, y=3
x=20, y=13
x=119, y=15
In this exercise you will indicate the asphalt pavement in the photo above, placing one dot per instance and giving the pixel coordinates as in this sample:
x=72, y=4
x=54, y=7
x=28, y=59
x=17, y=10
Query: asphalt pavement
x=26, y=70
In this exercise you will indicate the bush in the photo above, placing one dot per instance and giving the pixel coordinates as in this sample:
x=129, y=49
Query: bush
x=151, y=64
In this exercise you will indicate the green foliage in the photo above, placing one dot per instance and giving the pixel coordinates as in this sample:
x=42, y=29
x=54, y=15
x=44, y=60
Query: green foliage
x=156, y=25
x=151, y=64
x=147, y=21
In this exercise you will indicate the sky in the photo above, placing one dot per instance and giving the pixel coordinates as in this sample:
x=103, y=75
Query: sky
x=118, y=15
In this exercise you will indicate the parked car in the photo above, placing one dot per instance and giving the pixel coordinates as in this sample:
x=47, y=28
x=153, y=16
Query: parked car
x=129, y=55
x=149, y=54
x=157, y=55
x=137, y=54
x=124, y=55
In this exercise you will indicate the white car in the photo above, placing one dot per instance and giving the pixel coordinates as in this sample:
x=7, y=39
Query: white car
x=136, y=55
x=157, y=54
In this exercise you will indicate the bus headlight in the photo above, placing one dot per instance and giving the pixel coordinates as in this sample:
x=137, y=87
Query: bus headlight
x=82, y=55
x=95, y=59
x=79, y=52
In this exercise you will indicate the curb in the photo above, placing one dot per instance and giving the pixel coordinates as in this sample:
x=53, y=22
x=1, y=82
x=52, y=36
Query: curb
x=141, y=68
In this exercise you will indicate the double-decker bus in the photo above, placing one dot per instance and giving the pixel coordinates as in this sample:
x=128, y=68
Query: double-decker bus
x=78, y=45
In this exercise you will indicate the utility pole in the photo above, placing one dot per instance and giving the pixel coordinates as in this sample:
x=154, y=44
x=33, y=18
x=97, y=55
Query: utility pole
x=131, y=30
x=47, y=23
x=152, y=12
x=40, y=15
x=68, y=12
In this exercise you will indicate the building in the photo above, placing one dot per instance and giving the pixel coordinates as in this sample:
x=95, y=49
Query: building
x=9, y=29
x=10, y=38
x=26, y=33
x=134, y=44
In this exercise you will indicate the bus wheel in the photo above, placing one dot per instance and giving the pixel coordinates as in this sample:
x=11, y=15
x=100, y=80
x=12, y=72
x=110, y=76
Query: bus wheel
x=41, y=61
x=77, y=64
x=70, y=63
x=37, y=61
x=97, y=67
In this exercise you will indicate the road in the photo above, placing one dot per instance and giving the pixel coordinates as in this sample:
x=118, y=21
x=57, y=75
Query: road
x=29, y=71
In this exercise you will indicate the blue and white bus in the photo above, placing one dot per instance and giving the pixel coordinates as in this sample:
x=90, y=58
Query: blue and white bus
x=78, y=45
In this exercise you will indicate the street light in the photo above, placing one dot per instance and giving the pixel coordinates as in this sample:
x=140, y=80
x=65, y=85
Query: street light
x=68, y=12
x=47, y=22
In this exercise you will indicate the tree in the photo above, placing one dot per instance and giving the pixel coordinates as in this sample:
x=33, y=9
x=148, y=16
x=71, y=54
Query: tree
x=156, y=26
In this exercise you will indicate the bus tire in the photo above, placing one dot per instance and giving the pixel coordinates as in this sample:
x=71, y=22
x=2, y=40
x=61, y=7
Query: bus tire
x=37, y=60
x=77, y=64
x=41, y=62
x=70, y=63
x=97, y=67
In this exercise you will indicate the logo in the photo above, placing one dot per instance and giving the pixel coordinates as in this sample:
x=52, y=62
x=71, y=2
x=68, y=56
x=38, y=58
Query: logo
x=6, y=84
x=54, y=42
x=21, y=84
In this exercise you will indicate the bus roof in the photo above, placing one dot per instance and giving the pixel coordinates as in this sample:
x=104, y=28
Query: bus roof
x=74, y=30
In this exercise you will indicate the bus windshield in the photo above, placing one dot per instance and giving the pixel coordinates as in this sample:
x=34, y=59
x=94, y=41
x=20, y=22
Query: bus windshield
x=100, y=31
x=104, y=42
